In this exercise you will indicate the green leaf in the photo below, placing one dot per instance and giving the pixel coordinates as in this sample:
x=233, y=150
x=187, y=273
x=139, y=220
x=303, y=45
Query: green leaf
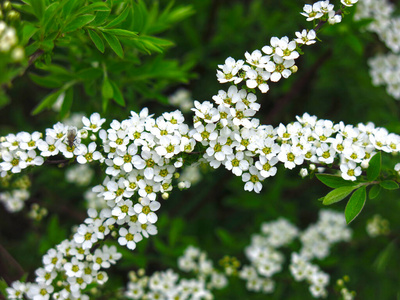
x=355, y=204
x=101, y=17
x=98, y=6
x=119, y=19
x=78, y=22
x=225, y=237
x=176, y=230
x=374, y=191
x=338, y=194
x=69, y=7
x=27, y=32
x=114, y=44
x=118, y=97
x=383, y=259
x=374, y=167
x=389, y=185
x=46, y=81
x=47, y=102
x=334, y=181
x=96, y=39
x=107, y=89
x=38, y=8
x=67, y=103
x=89, y=74
x=3, y=287
x=120, y=32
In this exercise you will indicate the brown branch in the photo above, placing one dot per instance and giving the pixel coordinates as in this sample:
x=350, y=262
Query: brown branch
x=10, y=269
x=296, y=89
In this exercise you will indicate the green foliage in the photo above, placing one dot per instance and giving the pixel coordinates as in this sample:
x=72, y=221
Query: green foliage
x=337, y=194
x=355, y=204
x=374, y=167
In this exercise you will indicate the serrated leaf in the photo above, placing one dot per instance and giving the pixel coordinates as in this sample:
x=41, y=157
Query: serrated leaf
x=119, y=19
x=67, y=103
x=355, y=204
x=374, y=167
x=118, y=97
x=120, y=32
x=96, y=39
x=338, y=194
x=114, y=44
x=389, y=185
x=374, y=191
x=107, y=89
x=78, y=22
x=47, y=102
x=334, y=181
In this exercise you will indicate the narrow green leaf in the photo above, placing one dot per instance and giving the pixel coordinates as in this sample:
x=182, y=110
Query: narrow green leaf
x=334, y=181
x=355, y=204
x=338, y=194
x=96, y=39
x=119, y=19
x=78, y=22
x=374, y=167
x=38, y=8
x=89, y=74
x=384, y=256
x=46, y=81
x=27, y=32
x=114, y=44
x=118, y=97
x=374, y=191
x=120, y=32
x=69, y=7
x=47, y=102
x=3, y=288
x=67, y=103
x=107, y=89
x=98, y=6
x=389, y=185
x=101, y=17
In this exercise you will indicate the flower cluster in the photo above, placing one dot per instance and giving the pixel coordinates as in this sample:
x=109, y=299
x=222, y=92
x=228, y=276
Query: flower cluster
x=266, y=260
x=142, y=155
x=9, y=41
x=384, y=68
x=168, y=285
x=377, y=226
x=67, y=270
x=79, y=174
x=263, y=254
x=182, y=98
x=14, y=198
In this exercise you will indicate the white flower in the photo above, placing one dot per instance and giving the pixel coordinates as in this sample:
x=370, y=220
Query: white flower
x=128, y=238
x=74, y=268
x=253, y=180
x=94, y=123
x=145, y=210
x=266, y=166
x=306, y=37
x=350, y=171
x=88, y=154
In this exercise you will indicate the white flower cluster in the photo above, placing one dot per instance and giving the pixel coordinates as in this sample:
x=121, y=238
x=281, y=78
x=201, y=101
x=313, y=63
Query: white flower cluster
x=168, y=285
x=67, y=270
x=331, y=228
x=14, y=198
x=377, y=226
x=182, y=99
x=384, y=68
x=81, y=175
x=246, y=148
x=263, y=255
x=8, y=37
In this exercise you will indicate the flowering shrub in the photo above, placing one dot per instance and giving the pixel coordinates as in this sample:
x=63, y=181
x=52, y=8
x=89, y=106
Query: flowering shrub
x=141, y=159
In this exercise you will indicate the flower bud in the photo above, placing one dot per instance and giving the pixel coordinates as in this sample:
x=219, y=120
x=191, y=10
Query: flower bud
x=13, y=15
x=165, y=196
x=7, y=6
x=312, y=167
x=181, y=185
x=294, y=68
x=303, y=172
